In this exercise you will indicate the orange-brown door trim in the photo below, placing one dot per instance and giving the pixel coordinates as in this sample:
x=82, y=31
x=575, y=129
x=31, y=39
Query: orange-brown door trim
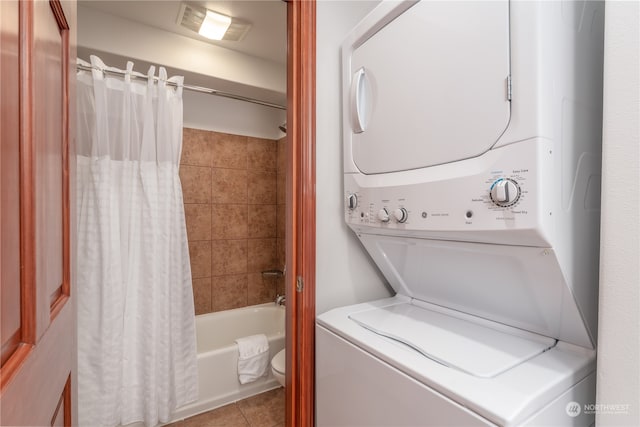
x=301, y=211
x=65, y=287
x=27, y=178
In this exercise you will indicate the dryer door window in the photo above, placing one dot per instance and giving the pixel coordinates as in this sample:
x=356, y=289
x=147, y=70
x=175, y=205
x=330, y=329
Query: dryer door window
x=430, y=87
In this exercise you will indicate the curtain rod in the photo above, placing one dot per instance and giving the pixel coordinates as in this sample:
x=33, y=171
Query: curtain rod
x=190, y=87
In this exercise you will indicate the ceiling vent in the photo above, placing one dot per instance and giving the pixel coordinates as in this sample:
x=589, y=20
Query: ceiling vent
x=191, y=17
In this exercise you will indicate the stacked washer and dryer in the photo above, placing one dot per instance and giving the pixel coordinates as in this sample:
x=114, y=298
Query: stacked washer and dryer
x=472, y=138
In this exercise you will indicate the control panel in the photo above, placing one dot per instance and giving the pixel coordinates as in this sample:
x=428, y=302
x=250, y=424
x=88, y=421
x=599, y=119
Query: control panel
x=497, y=191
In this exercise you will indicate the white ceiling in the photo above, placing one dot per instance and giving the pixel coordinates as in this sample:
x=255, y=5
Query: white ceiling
x=267, y=38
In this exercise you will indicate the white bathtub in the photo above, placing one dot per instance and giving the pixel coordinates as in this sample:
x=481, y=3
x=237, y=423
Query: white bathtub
x=218, y=354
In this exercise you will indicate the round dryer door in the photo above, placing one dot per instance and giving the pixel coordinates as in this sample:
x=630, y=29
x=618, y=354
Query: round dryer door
x=430, y=87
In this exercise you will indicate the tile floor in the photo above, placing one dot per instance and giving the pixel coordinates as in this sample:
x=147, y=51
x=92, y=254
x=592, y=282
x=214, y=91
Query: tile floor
x=263, y=410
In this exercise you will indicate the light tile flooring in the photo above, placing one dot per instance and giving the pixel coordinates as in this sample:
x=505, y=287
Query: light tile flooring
x=263, y=410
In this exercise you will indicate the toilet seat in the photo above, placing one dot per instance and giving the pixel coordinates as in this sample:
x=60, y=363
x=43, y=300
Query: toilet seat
x=278, y=363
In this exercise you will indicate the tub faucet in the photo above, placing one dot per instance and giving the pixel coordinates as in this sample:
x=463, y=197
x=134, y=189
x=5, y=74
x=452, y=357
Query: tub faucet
x=280, y=299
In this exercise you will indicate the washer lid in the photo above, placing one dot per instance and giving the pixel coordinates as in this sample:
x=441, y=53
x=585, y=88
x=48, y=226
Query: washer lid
x=481, y=350
x=519, y=286
x=430, y=87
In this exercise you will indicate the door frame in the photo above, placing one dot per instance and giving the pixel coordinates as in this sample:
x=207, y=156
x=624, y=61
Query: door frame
x=300, y=213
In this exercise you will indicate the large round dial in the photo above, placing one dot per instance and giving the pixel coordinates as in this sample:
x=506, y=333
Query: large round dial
x=400, y=215
x=504, y=192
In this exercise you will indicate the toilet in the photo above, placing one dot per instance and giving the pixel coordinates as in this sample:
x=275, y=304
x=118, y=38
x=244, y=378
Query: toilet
x=278, y=364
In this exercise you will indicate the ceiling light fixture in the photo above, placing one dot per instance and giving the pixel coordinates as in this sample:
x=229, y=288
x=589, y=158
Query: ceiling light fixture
x=214, y=26
x=193, y=18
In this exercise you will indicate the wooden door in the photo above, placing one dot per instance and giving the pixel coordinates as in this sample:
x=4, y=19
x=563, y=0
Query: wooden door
x=38, y=313
x=301, y=211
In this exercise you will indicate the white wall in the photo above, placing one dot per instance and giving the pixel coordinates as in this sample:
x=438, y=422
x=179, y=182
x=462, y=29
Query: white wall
x=202, y=64
x=101, y=31
x=618, y=380
x=345, y=274
x=208, y=112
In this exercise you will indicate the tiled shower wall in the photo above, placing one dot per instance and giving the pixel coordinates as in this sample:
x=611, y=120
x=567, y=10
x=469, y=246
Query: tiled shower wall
x=234, y=212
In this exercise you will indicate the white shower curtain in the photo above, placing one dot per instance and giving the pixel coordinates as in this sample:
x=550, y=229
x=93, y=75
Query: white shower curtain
x=136, y=324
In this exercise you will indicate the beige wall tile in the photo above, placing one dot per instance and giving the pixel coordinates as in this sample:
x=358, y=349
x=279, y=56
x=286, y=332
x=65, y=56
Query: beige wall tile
x=280, y=253
x=261, y=187
x=229, y=151
x=229, y=186
x=262, y=221
x=262, y=255
x=194, y=181
x=200, y=254
x=198, y=219
x=202, y=295
x=281, y=189
x=229, y=292
x=230, y=190
x=281, y=177
x=197, y=149
x=281, y=221
x=228, y=257
x=282, y=155
x=262, y=153
x=261, y=289
x=229, y=221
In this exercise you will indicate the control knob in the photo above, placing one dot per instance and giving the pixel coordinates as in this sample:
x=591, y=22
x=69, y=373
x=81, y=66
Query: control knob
x=383, y=215
x=504, y=192
x=400, y=215
x=352, y=201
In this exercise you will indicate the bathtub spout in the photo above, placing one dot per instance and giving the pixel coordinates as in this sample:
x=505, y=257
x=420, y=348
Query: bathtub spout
x=280, y=300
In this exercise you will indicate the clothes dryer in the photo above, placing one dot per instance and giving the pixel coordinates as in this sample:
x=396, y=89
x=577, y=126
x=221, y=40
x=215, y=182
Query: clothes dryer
x=471, y=135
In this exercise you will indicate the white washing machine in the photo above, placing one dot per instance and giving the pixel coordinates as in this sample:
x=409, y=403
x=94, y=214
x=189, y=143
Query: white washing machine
x=472, y=134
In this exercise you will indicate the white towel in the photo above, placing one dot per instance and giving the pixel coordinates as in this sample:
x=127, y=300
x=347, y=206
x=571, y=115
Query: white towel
x=253, y=357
